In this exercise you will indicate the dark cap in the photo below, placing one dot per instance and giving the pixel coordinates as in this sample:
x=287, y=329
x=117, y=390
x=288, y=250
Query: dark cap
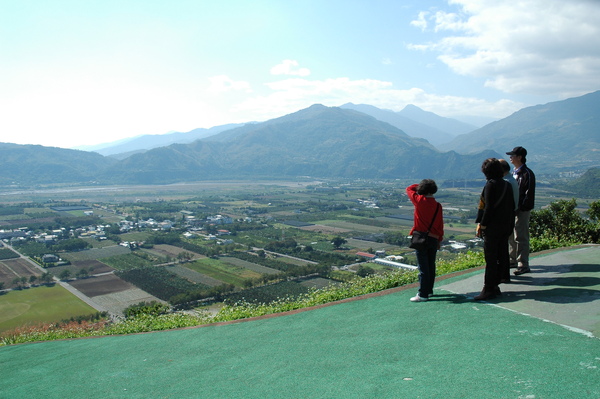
x=519, y=151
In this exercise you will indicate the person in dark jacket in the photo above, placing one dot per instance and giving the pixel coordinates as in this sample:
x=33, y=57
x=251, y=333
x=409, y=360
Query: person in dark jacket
x=519, y=240
x=495, y=222
x=428, y=212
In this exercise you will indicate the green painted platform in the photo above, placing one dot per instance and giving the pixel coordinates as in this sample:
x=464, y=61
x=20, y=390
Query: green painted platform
x=540, y=340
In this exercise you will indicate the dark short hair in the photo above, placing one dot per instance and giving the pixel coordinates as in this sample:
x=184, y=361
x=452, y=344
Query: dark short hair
x=505, y=165
x=427, y=187
x=492, y=169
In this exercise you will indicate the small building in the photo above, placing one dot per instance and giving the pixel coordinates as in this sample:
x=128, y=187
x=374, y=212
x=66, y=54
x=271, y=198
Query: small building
x=366, y=255
x=50, y=258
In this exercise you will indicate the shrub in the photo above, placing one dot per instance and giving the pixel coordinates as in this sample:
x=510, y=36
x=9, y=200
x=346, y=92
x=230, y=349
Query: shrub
x=561, y=223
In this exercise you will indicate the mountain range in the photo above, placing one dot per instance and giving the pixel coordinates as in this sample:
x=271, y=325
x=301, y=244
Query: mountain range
x=417, y=123
x=318, y=141
x=352, y=141
x=121, y=149
x=557, y=135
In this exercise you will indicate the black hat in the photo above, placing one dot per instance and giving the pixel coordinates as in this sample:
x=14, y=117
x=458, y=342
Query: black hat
x=519, y=151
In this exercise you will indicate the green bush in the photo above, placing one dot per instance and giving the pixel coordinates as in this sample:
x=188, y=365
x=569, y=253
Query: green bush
x=560, y=223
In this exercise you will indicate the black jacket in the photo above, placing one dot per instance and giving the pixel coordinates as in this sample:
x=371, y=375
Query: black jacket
x=496, y=208
x=526, y=180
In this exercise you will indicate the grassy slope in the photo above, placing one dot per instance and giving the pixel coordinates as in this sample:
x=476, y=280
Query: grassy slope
x=39, y=304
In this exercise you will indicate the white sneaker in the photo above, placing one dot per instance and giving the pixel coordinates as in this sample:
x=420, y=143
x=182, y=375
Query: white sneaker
x=417, y=298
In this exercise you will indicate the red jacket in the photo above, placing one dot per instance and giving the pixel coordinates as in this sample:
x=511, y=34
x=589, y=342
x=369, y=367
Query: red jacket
x=424, y=210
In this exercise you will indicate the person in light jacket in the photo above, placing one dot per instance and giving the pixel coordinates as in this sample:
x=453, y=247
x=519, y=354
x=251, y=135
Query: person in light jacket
x=519, y=241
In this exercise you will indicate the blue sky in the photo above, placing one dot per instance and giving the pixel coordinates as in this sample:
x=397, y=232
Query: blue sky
x=78, y=73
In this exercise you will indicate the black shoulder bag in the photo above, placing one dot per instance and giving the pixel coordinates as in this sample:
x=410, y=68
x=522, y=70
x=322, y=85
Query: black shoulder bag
x=419, y=238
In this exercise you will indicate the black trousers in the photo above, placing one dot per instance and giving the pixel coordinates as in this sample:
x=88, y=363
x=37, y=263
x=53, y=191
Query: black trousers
x=426, y=261
x=497, y=266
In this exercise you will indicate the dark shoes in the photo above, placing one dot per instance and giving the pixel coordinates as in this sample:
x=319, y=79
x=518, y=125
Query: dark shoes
x=488, y=294
x=522, y=270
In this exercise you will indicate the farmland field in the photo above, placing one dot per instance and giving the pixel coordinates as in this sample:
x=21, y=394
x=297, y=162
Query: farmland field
x=251, y=266
x=349, y=226
x=170, y=250
x=22, y=267
x=96, y=266
x=40, y=305
x=364, y=245
x=322, y=228
x=131, y=260
x=98, y=243
x=194, y=276
x=101, y=285
x=222, y=271
x=96, y=253
x=11, y=268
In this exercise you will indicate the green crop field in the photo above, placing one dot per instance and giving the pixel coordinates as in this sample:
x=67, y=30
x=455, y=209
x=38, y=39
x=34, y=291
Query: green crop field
x=363, y=228
x=253, y=266
x=131, y=261
x=225, y=272
x=39, y=305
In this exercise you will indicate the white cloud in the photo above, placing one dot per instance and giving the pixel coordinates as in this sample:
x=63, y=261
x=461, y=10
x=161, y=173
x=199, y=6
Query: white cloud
x=421, y=21
x=532, y=46
x=290, y=95
x=223, y=83
x=289, y=67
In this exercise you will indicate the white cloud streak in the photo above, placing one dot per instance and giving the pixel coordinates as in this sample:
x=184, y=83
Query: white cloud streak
x=289, y=67
x=532, y=46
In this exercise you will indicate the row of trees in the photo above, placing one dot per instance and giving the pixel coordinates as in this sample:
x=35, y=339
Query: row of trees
x=22, y=281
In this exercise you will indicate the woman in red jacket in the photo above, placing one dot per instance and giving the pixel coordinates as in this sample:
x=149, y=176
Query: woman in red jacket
x=426, y=207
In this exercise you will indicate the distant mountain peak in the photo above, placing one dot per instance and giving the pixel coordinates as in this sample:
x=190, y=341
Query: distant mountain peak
x=411, y=107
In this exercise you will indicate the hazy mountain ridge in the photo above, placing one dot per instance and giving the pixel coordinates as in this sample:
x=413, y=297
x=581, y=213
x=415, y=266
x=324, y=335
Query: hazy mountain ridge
x=317, y=141
x=412, y=120
x=417, y=122
x=450, y=125
x=133, y=145
x=411, y=127
x=555, y=134
x=32, y=164
x=325, y=142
